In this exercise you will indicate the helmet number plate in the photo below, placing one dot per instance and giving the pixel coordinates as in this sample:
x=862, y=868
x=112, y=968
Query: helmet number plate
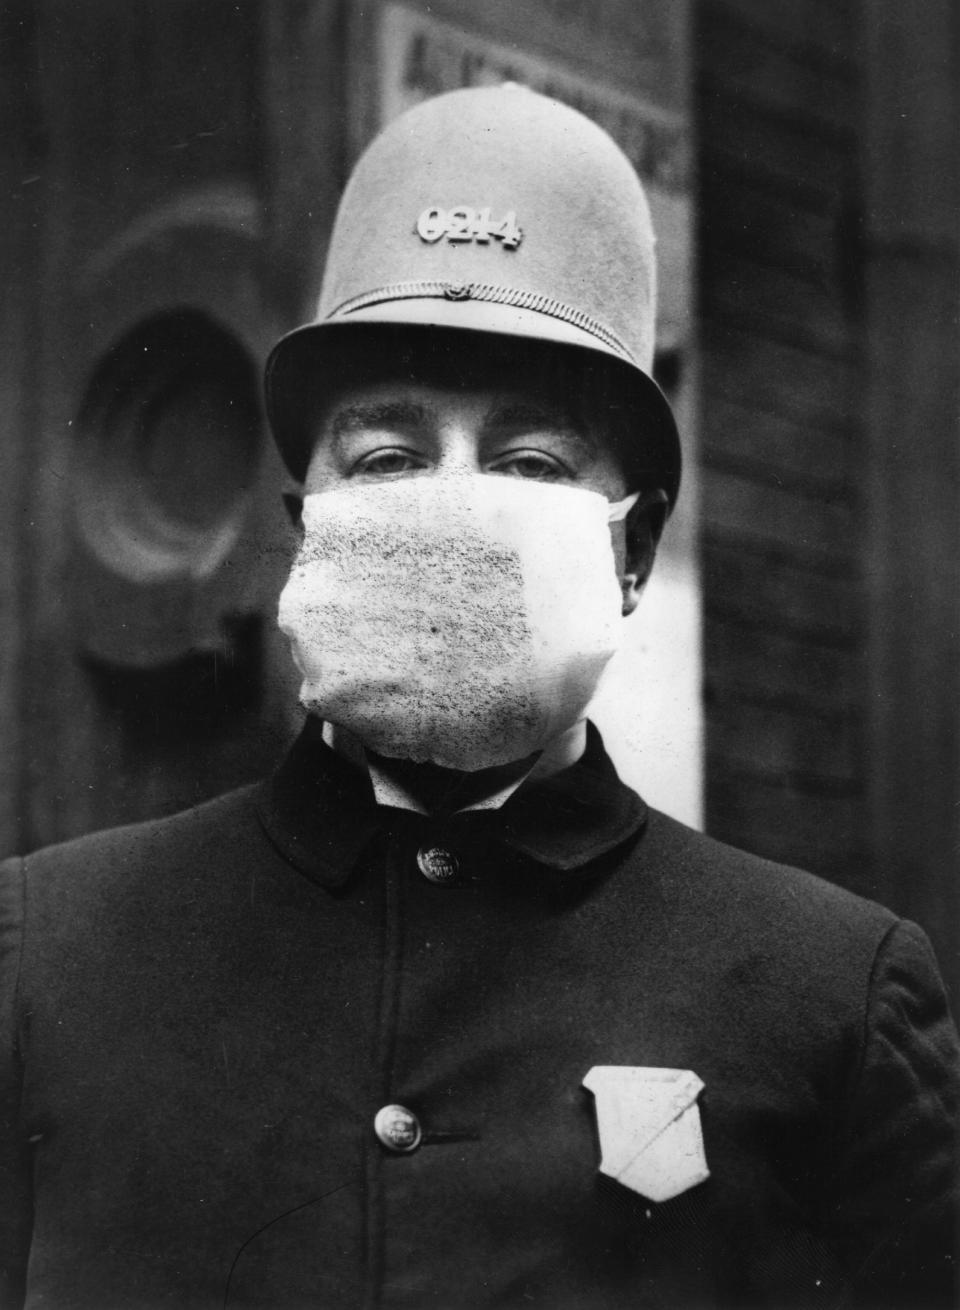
x=464, y=223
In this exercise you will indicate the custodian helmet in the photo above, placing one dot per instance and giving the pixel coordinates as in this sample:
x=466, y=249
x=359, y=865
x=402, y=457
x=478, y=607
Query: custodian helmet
x=500, y=211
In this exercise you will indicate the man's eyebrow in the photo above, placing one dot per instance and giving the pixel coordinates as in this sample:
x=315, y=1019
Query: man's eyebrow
x=377, y=414
x=531, y=414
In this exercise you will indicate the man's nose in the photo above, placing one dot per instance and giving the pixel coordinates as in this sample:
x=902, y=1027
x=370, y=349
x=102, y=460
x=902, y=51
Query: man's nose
x=459, y=450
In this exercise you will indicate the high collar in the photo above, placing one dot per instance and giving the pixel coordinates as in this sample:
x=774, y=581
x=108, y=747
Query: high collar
x=320, y=812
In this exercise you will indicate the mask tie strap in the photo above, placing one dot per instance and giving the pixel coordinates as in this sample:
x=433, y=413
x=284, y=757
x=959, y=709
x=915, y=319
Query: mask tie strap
x=619, y=509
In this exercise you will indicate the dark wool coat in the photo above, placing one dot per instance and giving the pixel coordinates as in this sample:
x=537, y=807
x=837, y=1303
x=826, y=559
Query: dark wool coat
x=201, y=1017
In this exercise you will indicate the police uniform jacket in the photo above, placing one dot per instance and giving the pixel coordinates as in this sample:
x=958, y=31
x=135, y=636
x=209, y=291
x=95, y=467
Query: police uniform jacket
x=202, y=1017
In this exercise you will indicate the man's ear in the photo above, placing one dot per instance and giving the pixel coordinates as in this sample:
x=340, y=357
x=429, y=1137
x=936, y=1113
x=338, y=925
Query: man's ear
x=642, y=529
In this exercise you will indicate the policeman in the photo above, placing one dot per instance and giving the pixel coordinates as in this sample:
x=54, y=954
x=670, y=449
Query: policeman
x=441, y=1014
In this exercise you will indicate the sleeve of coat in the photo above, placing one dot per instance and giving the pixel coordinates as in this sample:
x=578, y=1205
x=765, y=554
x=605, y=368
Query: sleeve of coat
x=15, y=1194
x=893, y=1202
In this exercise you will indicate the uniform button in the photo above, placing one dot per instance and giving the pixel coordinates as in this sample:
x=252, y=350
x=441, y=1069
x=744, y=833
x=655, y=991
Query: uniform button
x=397, y=1128
x=437, y=864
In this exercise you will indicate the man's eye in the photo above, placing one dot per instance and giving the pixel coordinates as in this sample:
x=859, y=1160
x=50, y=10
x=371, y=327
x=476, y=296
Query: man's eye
x=530, y=464
x=384, y=463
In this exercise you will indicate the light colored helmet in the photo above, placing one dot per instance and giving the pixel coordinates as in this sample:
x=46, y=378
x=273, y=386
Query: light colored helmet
x=500, y=211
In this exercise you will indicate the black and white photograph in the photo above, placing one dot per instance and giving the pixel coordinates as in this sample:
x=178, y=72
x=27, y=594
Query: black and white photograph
x=479, y=654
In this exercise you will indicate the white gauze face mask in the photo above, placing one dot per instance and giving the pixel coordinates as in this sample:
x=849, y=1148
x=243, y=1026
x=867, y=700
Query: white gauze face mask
x=463, y=619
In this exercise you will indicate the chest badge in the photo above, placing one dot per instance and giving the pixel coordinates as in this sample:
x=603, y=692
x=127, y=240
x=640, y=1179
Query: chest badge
x=464, y=223
x=649, y=1123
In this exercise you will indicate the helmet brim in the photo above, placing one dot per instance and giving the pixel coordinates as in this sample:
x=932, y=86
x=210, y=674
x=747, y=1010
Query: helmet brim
x=311, y=361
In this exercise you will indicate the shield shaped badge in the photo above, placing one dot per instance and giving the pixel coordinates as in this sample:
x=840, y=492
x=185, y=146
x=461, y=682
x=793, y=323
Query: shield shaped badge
x=649, y=1123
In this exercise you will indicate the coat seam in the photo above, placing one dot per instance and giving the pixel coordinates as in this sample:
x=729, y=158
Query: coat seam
x=18, y=1043
x=865, y=1027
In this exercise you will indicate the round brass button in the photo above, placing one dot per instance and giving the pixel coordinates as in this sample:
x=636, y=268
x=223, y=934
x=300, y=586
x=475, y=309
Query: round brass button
x=437, y=864
x=397, y=1128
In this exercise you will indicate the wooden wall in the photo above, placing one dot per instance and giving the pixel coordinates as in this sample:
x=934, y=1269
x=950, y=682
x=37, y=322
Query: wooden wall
x=912, y=461
x=828, y=306
x=22, y=150
x=782, y=431
x=156, y=156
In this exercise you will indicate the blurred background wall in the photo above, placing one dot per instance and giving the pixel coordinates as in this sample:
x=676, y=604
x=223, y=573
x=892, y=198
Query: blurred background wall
x=170, y=172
